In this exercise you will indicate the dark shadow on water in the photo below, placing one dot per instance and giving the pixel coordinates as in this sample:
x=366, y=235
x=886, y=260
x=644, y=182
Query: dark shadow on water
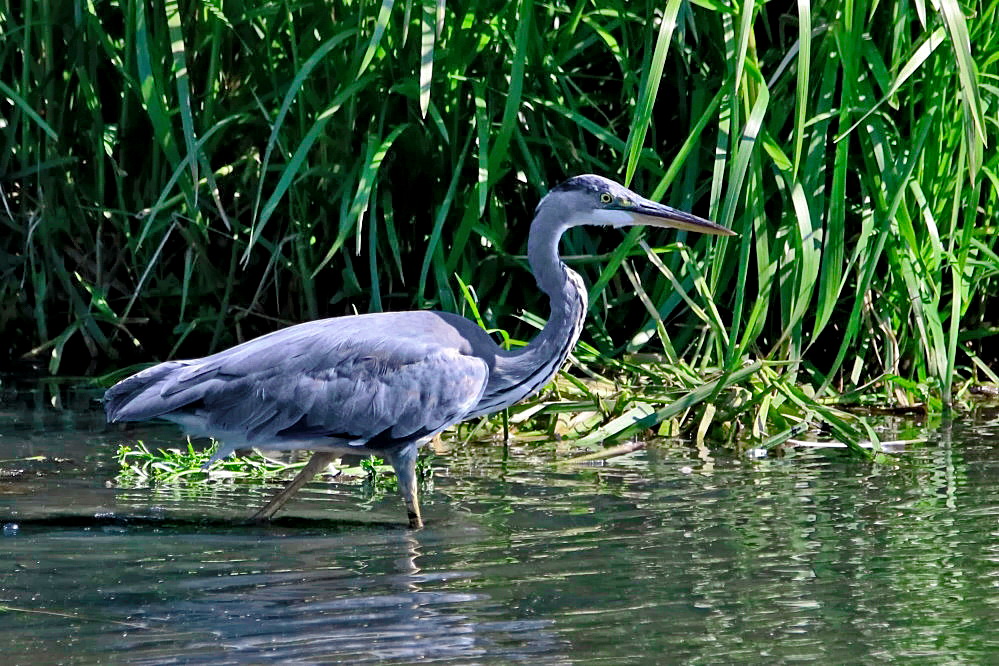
x=194, y=523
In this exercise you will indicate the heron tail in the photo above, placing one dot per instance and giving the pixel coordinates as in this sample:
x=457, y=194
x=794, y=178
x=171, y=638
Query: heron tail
x=146, y=395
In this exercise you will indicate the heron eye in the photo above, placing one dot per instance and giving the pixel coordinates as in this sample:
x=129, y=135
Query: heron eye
x=606, y=198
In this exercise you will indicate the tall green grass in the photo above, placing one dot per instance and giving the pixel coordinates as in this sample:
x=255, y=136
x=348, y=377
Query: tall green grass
x=178, y=176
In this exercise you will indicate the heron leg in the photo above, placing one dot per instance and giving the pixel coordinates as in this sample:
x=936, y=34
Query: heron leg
x=403, y=461
x=318, y=462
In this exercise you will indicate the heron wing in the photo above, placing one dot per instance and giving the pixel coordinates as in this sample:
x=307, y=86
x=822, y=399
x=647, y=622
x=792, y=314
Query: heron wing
x=359, y=380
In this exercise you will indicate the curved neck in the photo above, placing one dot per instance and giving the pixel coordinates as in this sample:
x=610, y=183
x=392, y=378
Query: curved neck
x=566, y=295
x=521, y=372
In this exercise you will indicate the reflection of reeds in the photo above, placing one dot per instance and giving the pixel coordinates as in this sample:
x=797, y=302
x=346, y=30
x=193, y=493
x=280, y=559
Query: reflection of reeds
x=177, y=178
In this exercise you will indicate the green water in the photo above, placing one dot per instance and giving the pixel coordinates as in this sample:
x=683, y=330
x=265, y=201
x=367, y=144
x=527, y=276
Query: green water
x=664, y=556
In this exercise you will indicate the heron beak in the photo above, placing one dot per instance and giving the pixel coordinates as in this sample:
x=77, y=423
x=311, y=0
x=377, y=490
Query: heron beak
x=654, y=214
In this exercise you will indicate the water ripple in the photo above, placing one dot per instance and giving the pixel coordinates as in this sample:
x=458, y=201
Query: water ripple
x=662, y=556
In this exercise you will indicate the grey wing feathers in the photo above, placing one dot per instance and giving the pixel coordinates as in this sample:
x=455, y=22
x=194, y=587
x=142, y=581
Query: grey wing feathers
x=390, y=396
x=311, y=383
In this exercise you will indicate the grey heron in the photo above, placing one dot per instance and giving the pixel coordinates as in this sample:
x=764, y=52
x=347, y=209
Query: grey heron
x=386, y=383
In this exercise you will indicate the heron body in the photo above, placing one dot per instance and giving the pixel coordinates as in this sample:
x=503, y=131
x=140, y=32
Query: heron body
x=386, y=383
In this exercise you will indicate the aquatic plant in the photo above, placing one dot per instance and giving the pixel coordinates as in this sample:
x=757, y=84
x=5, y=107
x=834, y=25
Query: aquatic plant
x=140, y=465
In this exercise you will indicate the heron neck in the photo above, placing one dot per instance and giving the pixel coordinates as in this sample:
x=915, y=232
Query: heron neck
x=568, y=300
x=522, y=372
x=563, y=286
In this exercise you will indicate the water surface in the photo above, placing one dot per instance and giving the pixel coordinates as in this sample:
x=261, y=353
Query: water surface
x=666, y=555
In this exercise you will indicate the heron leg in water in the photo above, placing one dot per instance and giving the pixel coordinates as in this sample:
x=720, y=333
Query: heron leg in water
x=403, y=461
x=316, y=464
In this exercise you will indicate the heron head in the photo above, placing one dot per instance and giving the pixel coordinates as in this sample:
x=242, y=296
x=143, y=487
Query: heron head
x=591, y=199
